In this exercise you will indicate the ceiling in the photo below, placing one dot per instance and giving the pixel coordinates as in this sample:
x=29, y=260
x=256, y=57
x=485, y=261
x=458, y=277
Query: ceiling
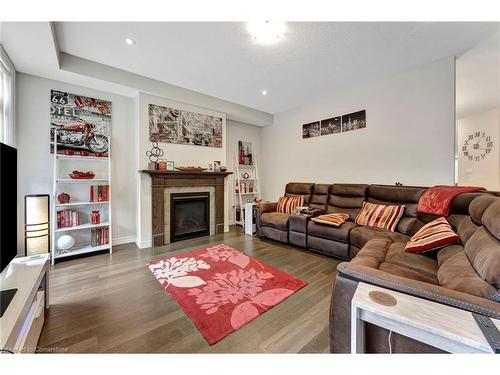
x=221, y=59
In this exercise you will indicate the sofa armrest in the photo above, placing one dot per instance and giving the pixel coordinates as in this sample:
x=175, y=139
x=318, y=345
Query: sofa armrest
x=267, y=207
x=436, y=293
x=316, y=212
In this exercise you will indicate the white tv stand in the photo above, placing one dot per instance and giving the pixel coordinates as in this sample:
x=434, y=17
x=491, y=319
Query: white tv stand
x=22, y=322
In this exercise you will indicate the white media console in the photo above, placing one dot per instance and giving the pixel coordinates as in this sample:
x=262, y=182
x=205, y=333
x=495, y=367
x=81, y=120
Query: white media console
x=21, y=324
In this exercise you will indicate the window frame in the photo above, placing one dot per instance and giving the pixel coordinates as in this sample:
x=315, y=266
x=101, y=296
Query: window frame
x=8, y=75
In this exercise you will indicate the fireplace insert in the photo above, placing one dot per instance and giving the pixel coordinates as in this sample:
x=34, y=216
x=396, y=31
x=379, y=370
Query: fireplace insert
x=189, y=215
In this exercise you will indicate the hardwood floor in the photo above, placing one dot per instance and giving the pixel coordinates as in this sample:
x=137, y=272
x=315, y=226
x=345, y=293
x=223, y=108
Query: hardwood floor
x=114, y=304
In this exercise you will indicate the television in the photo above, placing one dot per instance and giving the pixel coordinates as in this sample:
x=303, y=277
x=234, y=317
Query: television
x=8, y=204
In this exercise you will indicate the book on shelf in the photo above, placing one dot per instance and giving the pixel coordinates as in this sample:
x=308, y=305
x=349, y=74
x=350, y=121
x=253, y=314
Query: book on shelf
x=68, y=218
x=99, y=236
x=99, y=193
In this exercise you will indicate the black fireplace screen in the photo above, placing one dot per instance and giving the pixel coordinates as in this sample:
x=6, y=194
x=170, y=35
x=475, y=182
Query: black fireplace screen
x=189, y=215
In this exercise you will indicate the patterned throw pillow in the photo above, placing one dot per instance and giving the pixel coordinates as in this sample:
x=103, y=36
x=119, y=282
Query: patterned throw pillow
x=331, y=219
x=287, y=205
x=380, y=216
x=431, y=236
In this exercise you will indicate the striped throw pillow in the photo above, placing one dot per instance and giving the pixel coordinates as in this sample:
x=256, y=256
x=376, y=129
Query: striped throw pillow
x=331, y=219
x=287, y=205
x=380, y=216
x=432, y=236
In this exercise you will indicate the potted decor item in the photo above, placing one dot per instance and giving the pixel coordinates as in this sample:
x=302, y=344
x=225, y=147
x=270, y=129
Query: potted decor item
x=95, y=217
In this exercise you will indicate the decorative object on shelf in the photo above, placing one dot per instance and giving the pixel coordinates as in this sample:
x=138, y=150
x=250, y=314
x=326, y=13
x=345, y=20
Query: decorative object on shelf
x=245, y=175
x=99, y=193
x=162, y=165
x=333, y=125
x=63, y=198
x=245, y=153
x=77, y=175
x=250, y=187
x=173, y=125
x=154, y=155
x=100, y=154
x=82, y=123
x=223, y=168
x=36, y=224
x=95, y=217
x=210, y=167
x=84, y=153
x=480, y=145
x=65, y=242
x=246, y=182
x=99, y=236
x=397, y=183
x=191, y=168
x=170, y=165
x=217, y=166
x=69, y=152
x=68, y=218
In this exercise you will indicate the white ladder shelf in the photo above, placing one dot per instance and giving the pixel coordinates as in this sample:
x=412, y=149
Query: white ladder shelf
x=243, y=186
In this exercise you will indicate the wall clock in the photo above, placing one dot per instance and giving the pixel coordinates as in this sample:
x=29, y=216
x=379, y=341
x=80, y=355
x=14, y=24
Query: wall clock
x=477, y=146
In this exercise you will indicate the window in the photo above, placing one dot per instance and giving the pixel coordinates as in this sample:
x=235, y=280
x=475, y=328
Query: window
x=7, y=84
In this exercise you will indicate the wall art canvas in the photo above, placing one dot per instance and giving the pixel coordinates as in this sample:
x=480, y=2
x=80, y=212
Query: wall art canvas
x=354, y=121
x=173, y=125
x=311, y=130
x=83, y=124
x=331, y=126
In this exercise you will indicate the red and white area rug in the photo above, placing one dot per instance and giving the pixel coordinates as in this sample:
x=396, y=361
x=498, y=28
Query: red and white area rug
x=221, y=289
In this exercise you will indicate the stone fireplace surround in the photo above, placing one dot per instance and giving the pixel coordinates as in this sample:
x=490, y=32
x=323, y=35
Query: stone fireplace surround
x=164, y=183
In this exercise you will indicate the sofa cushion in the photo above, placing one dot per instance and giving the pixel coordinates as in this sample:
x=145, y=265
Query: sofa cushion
x=397, y=255
x=360, y=235
x=483, y=251
x=327, y=231
x=299, y=188
x=335, y=220
x=347, y=198
x=458, y=274
x=276, y=220
x=431, y=236
x=447, y=252
x=380, y=216
x=466, y=229
x=287, y=205
x=319, y=197
x=387, y=256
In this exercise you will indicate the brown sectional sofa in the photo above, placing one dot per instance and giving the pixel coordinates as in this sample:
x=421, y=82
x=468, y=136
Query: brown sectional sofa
x=464, y=275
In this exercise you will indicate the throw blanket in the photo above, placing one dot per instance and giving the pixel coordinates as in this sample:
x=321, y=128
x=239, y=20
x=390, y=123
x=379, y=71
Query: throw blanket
x=437, y=199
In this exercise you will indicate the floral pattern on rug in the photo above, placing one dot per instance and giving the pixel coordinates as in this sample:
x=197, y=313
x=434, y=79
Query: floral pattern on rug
x=221, y=289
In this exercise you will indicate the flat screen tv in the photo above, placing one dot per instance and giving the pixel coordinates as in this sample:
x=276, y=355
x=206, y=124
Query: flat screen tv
x=8, y=204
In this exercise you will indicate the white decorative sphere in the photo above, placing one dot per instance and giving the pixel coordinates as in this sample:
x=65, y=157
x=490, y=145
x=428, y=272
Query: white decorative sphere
x=65, y=242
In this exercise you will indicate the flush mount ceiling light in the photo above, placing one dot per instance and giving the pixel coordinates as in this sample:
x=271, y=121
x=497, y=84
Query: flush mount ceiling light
x=266, y=32
x=264, y=92
x=130, y=41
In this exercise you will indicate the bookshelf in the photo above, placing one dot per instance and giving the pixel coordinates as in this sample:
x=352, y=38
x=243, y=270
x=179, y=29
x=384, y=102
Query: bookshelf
x=80, y=200
x=246, y=188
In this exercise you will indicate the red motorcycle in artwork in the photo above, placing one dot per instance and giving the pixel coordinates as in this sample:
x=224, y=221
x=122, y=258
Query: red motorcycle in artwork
x=80, y=135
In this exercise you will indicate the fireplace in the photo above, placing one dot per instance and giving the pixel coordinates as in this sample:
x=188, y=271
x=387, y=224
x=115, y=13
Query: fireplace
x=189, y=215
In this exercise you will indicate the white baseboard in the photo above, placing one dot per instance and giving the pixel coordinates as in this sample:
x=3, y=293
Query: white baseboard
x=143, y=244
x=123, y=240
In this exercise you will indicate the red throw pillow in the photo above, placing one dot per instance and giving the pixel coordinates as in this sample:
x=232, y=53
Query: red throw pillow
x=380, y=216
x=287, y=205
x=331, y=219
x=432, y=236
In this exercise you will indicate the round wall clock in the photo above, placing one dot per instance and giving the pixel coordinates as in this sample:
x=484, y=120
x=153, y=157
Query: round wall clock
x=477, y=146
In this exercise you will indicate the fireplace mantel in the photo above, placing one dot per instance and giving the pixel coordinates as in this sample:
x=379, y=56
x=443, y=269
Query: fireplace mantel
x=165, y=179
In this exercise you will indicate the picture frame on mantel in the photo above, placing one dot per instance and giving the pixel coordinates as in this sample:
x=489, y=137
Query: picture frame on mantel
x=170, y=165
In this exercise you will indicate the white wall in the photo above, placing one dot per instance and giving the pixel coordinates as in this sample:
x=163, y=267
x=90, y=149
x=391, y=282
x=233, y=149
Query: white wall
x=35, y=166
x=180, y=154
x=409, y=135
x=237, y=131
x=486, y=171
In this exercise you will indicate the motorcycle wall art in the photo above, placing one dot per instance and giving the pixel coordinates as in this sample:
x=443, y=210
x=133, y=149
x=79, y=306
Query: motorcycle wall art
x=83, y=124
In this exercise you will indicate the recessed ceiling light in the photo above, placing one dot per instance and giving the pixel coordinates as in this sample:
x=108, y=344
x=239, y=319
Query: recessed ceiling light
x=267, y=32
x=264, y=92
x=130, y=41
